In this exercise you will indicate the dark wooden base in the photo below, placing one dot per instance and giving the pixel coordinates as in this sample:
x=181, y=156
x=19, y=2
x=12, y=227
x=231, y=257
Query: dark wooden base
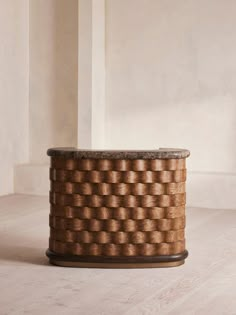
x=116, y=262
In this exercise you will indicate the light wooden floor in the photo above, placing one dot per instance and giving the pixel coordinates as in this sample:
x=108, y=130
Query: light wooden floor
x=206, y=284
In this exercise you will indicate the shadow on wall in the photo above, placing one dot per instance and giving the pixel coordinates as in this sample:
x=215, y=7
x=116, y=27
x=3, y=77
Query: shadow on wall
x=53, y=75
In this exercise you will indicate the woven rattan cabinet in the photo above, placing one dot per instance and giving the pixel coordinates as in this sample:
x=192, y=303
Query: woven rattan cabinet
x=117, y=208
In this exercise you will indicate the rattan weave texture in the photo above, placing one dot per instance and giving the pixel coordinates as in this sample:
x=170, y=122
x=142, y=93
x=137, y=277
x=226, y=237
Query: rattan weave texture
x=117, y=207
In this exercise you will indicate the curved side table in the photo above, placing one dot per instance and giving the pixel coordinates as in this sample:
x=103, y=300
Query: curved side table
x=117, y=209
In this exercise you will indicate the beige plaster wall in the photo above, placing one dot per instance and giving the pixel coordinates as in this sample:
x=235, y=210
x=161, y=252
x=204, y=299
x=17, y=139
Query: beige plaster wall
x=171, y=78
x=53, y=75
x=14, y=73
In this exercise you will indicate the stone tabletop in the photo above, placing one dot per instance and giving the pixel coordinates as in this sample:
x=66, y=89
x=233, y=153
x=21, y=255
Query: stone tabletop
x=162, y=153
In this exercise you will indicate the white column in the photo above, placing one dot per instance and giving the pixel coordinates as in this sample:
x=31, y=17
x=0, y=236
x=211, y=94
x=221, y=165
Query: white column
x=91, y=74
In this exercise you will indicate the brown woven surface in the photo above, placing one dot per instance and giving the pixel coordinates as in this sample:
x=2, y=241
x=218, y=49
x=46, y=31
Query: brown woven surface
x=117, y=207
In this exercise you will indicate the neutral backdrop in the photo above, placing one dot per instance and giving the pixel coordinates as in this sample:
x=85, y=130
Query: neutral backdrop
x=170, y=82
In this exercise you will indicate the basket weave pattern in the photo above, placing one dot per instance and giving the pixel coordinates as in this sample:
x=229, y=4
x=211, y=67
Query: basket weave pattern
x=111, y=207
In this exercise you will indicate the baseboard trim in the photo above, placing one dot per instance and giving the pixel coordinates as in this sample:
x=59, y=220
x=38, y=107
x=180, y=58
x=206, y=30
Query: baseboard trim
x=211, y=190
x=31, y=179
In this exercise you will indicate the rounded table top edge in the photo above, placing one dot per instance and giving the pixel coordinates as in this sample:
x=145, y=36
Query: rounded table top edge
x=162, y=153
